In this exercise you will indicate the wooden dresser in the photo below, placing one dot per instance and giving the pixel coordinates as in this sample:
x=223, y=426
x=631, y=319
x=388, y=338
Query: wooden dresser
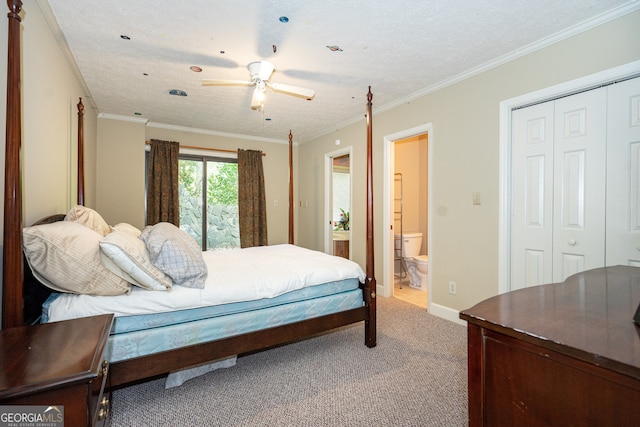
x=559, y=354
x=58, y=364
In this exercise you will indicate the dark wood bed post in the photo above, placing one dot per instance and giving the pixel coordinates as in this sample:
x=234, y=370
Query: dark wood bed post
x=80, y=153
x=290, y=188
x=370, y=285
x=12, y=256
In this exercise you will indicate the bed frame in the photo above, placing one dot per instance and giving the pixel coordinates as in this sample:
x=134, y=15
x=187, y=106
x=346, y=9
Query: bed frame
x=18, y=303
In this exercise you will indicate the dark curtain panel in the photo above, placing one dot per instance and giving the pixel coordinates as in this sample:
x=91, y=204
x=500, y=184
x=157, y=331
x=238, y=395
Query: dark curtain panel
x=163, y=204
x=252, y=205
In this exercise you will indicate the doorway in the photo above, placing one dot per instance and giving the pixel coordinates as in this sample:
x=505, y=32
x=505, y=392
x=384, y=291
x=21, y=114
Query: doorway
x=338, y=202
x=413, y=203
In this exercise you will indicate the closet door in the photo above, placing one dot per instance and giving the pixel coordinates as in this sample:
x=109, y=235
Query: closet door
x=532, y=195
x=623, y=174
x=579, y=183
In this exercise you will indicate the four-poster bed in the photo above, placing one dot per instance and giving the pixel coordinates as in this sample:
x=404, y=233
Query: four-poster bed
x=15, y=303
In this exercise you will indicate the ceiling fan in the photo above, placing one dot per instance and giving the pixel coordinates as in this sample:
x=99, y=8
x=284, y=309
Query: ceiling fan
x=260, y=72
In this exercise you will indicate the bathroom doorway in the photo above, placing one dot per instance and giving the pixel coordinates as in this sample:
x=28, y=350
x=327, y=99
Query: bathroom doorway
x=338, y=202
x=407, y=259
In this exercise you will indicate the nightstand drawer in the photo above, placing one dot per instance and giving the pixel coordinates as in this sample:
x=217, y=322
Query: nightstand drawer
x=99, y=401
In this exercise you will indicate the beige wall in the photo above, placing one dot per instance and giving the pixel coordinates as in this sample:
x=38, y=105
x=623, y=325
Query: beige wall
x=120, y=171
x=51, y=90
x=465, y=143
x=121, y=168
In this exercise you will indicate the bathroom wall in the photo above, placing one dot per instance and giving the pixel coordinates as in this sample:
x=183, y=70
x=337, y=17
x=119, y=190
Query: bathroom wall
x=410, y=159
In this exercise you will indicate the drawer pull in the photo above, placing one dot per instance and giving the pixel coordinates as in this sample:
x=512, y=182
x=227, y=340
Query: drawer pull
x=104, y=408
x=103, y=413
x=104, y=368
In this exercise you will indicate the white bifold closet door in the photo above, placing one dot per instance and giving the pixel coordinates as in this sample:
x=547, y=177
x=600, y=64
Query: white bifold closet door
x=574, y=198
x=623, y=174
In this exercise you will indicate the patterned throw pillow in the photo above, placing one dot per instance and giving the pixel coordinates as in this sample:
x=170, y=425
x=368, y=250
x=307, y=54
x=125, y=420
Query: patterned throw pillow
x=176, y=254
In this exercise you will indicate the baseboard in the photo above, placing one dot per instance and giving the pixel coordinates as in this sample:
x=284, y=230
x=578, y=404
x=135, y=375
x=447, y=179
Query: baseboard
x=446, y=313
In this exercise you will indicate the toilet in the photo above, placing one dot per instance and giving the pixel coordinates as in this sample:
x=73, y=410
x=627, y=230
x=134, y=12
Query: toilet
x=417, y=265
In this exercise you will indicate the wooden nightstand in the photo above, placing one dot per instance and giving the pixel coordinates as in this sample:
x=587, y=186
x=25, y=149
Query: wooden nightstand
x=58, y=364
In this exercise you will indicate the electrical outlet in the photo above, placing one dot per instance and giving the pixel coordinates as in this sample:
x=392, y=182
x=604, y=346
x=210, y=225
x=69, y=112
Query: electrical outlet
x=452, y=288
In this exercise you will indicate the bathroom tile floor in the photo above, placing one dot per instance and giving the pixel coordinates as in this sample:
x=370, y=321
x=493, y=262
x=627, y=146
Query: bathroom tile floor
x=409, y=294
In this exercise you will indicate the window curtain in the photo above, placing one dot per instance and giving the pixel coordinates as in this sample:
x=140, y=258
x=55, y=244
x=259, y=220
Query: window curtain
x=163, y=204
x=252, y=206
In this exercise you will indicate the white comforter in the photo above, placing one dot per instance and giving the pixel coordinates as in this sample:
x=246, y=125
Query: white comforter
x=234, y=275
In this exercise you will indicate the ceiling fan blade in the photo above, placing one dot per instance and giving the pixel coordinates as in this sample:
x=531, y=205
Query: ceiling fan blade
x=293, y=90
x=221, y=82
x=257, y=99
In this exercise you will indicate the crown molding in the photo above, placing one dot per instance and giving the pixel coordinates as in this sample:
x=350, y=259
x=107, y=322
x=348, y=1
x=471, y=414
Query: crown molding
x=216, y=133
x=123, y=118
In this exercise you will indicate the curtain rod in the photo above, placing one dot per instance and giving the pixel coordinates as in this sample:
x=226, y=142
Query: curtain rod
x=220, y=150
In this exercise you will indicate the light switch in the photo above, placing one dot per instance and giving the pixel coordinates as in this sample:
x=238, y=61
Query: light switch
x=476, y=198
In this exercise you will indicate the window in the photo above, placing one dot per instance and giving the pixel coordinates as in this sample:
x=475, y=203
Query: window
x=209, y=207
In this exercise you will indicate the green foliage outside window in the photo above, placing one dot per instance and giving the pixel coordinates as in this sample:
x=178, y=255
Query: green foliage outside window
x=221, y=228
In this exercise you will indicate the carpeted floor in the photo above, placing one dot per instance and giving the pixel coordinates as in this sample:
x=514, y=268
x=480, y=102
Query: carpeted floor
x=416, y=376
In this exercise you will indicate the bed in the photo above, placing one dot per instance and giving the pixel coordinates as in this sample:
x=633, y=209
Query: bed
x=23, y=294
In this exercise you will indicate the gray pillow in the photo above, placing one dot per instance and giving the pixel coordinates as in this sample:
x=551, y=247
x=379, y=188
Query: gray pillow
x=176, y=254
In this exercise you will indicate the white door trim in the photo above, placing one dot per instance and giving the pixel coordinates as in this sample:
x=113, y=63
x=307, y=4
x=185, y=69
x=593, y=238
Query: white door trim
x=506, y=106
x=328, y=194
x=386, y=290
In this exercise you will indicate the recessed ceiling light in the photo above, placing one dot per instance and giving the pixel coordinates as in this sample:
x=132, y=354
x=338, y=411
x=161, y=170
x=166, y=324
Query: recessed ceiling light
x=222, y=52
x=283, y=19
x=145, y=74
x=177, y=92
x=334, y=48
x=195, y=69
x=124, y=37
x=267, y=119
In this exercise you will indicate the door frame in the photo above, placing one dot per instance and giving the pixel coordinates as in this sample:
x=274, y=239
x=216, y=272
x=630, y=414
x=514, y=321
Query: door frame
x=387, y=199
x=581, y=84
x=328, y=197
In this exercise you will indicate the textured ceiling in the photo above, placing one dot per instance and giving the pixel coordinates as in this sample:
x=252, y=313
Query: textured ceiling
x=401, y=48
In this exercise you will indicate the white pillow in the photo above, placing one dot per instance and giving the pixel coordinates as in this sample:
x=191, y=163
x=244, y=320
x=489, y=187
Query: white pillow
x=126, y=255
x=123, y=226
x=65, y=256
x=89, y=218
x=176, y=253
